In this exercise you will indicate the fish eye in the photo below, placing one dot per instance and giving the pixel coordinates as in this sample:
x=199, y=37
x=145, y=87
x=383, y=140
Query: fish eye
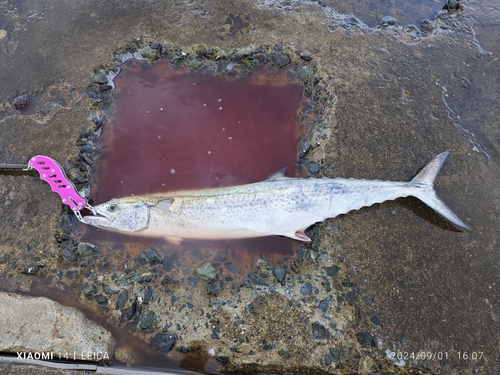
x=112, y=207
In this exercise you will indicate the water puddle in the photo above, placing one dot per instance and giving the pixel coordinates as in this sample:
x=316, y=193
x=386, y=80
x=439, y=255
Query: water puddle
x=410, y=12
x=175, y=129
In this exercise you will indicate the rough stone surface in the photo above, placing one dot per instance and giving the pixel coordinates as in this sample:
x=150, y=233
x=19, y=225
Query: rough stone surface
x=57, y=328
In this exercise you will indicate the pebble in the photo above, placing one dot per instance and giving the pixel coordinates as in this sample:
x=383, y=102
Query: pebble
x=280, y=274
x=127, y=313
x=148, y=52
x=148, y=321
x=108, y=290
x=306, y=289
x=151, y=256
x=387, y=21
x=319, y=332
x=328, y=359
x=324, y=305
x=332, y=271
x=222, y=359
x=122, y=299
x=164, y=342
x=304, y=150
x=214, y=287
x=366, y=339
x=100, y=78
x=101, y=300
x=284, y=353
x=336, y=354
x=232, y=268
x=68, y=254
x=90, y=291
x=257, y=280
x=313, y=167
x=195, y=64
x=280, y=60
x=86, y=249
x=206, y=271
x=306, y=58
x=3, y=34
x=148, y=293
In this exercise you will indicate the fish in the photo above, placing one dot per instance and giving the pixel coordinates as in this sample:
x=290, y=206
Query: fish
x=278, y=206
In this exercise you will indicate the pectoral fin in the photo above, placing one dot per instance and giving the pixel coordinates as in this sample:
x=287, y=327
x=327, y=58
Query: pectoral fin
x=165, y=204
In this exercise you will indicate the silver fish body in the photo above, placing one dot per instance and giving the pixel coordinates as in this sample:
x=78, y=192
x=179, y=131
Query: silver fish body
x=277, y=206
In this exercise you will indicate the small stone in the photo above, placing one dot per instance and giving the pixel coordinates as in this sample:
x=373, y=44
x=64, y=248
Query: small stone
x=3, y=34
x=257, y=280
x=366, y=339
x=151, y=256
x=86, y=249
x=319, y=332
x=214, y=336
x=164, y=342
x=127, y=313
x=122, y=299
x=148, y=292
x=148, y=321
x=20, y=102
x=174, y=299
x=214, y=287
x=195, y=64
x=101, y=300
x=68, y=254
x=206, y=271
x=247, y=284
x=388, y=21
x=306, y=289
x=137, y=279
x=284, y=353
x=264, y=265
x=193, y=281
x=336, y=354
x=222, y=359
x=324, y=305
x=280, y=60
x=304, y=150
x=306, y=58
x=280, y=274
x=313, y=167
x=100, y=78
x=148, y=52
x=90, y=291
x=304, y=72
x=166, y=327
x=332, y=271
x=108, y=290
x=232, y=268
x=328, y=359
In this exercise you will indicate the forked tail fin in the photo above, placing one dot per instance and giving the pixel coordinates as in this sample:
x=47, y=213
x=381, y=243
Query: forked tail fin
x=427, y=194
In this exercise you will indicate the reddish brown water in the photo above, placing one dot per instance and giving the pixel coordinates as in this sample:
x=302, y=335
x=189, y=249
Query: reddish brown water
x=173, y=129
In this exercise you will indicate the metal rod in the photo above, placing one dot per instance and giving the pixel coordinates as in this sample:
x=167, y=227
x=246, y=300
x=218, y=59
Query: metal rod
x=23, y=167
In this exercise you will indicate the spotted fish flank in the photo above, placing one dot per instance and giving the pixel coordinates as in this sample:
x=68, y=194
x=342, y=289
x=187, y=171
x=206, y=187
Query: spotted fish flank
x=279, y=206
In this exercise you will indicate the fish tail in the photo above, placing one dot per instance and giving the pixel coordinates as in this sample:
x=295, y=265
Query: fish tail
x=426, y=193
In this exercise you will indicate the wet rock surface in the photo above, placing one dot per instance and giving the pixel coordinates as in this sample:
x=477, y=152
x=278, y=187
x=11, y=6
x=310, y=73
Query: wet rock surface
x=373, y=284
x=57, y=329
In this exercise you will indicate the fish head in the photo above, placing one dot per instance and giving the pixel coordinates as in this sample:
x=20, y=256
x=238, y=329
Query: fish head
x=120, y=215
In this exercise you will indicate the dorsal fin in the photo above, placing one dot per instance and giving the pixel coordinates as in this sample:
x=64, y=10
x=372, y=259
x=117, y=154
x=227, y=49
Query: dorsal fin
x=280, y=175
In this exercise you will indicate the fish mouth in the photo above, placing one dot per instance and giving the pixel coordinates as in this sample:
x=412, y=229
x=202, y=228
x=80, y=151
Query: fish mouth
x=99, y=219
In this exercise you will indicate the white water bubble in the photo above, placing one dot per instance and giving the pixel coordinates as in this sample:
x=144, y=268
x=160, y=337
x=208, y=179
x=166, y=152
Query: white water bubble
x=229, y=138
x=159, y=137
x=161, y=109
x=209, y=152
x=147, y=112
x=220, y=108
x=220, y=100
x=172, y=171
